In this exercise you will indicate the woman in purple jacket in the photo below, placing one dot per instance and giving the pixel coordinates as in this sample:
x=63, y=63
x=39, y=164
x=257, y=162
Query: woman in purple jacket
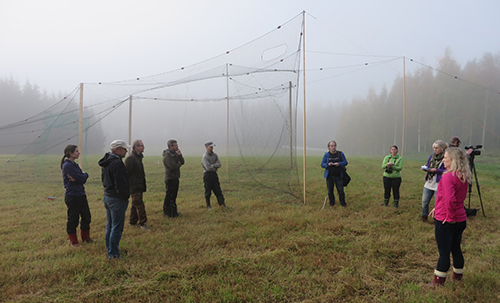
x=75, y=197
x=434, y=168
x=449, y=213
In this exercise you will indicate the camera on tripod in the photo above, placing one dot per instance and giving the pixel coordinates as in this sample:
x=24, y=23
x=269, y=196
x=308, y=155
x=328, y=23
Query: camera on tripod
x=475, y=151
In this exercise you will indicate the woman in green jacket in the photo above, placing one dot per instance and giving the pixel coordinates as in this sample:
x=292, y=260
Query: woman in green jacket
x=392, y=165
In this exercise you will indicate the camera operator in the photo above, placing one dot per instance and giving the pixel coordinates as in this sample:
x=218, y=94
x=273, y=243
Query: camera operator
x=455, y=142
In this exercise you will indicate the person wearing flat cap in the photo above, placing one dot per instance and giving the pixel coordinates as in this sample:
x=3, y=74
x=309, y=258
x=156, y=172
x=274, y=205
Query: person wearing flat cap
x=116, y=194
x=210, y=162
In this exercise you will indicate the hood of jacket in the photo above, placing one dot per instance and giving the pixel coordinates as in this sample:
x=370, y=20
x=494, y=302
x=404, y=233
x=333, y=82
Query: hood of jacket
x=168, y=152
x=108, y=158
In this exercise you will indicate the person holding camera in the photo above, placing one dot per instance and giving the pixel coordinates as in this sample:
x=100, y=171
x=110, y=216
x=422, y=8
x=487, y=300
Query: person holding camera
x=449, y=213
x=392, y=166
x=435, y=169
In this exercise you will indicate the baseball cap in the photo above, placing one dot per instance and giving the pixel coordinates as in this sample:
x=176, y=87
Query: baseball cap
x=119, y=143
x=209, y=143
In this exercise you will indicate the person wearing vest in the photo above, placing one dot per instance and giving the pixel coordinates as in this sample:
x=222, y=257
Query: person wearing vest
x=334, y=163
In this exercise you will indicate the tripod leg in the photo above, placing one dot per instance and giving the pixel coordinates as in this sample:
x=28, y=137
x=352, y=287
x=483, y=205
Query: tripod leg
x=479, y=191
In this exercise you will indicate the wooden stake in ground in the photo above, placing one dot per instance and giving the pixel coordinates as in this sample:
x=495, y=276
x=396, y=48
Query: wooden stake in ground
x=324, y=203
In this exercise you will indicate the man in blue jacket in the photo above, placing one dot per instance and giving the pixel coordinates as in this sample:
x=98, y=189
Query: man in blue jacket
x=334, y=163
x=116, y=194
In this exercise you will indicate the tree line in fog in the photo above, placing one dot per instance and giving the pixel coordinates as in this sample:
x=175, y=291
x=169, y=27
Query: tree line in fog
x=442, y=101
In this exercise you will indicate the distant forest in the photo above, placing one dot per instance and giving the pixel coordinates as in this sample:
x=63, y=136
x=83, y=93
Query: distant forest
x=441, y=102
x=20, y=102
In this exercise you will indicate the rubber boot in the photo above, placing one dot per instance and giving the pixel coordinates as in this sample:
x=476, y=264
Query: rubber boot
x=86, y=236
x=458, y=273
x=438, y=281
x=396, y=203
x=74, y=240
x=386, y=202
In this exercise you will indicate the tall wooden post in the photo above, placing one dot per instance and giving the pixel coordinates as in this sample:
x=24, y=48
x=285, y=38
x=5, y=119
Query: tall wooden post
x=227, y=118
x=304, y=78
x=80, y=125
x=130, y=121
x=404, y=107
x=291, y=124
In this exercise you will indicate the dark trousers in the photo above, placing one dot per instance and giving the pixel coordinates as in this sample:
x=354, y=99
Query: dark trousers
x=78, y=207
x=138, y=210
x=169, y=204
x=394, y=184
x=449, y=238
x=336, y=181
x=211, y=180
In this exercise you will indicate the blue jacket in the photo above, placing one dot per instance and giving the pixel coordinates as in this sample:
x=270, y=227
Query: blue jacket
x=73, y=188
x=324, y=163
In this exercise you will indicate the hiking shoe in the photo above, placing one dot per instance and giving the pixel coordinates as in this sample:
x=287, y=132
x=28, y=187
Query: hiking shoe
x=144, y=227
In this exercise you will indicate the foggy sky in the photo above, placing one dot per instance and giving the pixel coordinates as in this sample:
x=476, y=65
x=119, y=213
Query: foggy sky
x=59, y=44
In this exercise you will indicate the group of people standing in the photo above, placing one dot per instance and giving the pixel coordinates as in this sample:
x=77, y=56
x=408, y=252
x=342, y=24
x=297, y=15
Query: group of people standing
x=447, y=176
x=122, y=181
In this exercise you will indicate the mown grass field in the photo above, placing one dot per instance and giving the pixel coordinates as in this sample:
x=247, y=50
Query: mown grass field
x=267, y=248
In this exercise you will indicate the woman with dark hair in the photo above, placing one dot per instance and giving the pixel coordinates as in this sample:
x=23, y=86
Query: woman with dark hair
x=449, y=213
x=334, y=163
x=392, y=166
x=75, y=197
x=435, y=169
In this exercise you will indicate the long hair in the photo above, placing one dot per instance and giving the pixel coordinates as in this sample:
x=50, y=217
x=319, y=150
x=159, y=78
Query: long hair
x=69, y=149
x=459, y=164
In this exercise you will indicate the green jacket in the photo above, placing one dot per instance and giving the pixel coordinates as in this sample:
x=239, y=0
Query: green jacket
x=396, y=168
x=172, y=162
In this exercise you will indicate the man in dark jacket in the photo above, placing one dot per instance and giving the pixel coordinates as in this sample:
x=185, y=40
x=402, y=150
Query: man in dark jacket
x=116, y=194
x=137, y=180
x=172, y=160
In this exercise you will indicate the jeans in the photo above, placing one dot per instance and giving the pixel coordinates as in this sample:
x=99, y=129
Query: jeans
x=78, y=207
x=426, y=199
x=449, y=238
x=211, y=181
x=394, y=184
x=115, y=214
x=336, y=181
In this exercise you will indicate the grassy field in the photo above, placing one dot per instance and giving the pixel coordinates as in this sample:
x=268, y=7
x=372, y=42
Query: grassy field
x=267, y=248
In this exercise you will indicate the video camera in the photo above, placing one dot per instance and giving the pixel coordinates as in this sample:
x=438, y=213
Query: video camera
x=475, y=151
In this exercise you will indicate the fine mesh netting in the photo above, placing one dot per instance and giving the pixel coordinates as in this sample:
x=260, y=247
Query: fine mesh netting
x=245, y=100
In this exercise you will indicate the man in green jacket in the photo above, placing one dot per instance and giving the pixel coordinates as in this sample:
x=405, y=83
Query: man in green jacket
x=172, y=160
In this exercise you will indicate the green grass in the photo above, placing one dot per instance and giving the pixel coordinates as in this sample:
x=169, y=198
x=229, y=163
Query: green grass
x=268, y=248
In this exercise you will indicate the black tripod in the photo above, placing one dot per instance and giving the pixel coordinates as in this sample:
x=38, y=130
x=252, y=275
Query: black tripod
x=473, y=170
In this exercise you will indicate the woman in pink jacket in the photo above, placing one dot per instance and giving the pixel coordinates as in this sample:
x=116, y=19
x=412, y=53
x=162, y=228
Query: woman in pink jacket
x=449, y=214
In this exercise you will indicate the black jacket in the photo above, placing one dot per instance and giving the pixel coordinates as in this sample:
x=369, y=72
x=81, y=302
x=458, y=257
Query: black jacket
x=114, y=177
x=135, y=172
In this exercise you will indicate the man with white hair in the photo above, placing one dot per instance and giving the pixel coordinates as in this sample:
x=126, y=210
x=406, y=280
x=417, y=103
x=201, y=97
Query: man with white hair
x=137, y=181
x=116, y=194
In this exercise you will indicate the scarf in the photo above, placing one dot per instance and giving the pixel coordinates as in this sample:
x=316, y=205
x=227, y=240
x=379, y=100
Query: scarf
x=434, y=163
